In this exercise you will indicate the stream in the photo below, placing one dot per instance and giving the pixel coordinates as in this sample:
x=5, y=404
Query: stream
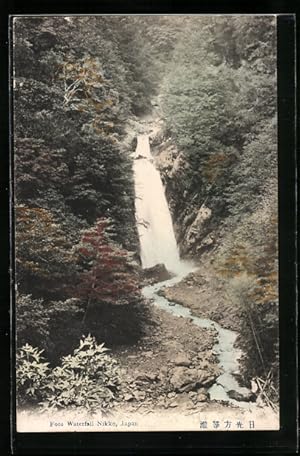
x=159, y=246
x=228, y=355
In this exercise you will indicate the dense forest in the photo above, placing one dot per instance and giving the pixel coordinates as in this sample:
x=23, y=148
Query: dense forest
x=78, y=83
x=223, y=119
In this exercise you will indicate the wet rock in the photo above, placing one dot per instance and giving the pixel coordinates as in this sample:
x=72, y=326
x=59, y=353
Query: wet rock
x=208, y=378
x=182, y=360
x=184, y=379
x=157, y=273
x=245, y=396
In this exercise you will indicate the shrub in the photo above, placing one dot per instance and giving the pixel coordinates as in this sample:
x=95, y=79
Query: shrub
x=248, y=261
x=259, y=333
x=32, y=321
x=89, y=378
x=42, y=323
x=31, y=375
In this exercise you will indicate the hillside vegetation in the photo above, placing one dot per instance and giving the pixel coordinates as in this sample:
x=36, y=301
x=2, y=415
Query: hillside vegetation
x=78, y=83
x=219, y=107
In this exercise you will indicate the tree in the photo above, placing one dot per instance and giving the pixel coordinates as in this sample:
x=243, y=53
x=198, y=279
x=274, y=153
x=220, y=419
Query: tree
x=108, y=276
x=43, y=323
x=44, y=261
x=222, y=118
x=71, y=106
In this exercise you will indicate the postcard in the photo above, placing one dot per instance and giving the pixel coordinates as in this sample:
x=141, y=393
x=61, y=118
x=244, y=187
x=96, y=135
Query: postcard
x=145, y=209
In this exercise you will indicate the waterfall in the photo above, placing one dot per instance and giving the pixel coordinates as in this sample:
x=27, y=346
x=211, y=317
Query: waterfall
x=158, y=245
x=154, y=222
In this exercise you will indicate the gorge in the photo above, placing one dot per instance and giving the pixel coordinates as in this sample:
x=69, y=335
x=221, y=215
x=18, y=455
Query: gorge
x=158, y=246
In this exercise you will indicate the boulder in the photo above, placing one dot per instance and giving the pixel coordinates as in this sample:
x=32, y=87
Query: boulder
x=171, y=395
x=201, y=397
x=146, y=378
x=148, y=354
x=241, y=396
x=173, y=404
x=139, y=395
x=208, y=378
x=156, y=273
x=182, y=376
x=184, y=379
x=182, y=360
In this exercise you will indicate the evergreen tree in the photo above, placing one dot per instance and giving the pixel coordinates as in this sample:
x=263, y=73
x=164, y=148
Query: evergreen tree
x=44, y=261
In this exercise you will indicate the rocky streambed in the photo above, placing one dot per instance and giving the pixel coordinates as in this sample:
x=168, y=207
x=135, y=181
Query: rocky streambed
x=185, y=361
x=173, y=366
x=204, y=293
x=225, y=386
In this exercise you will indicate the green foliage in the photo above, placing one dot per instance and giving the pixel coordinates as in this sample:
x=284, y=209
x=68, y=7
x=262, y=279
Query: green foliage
x=31, y=375
x=74, y=89
x=259, y=331
x=43, y=253
x=248, y=260
x=219, y=103
x=71, y=105
x=32, y=321
x=222, y=116
x=89, y=378
x=43, y=323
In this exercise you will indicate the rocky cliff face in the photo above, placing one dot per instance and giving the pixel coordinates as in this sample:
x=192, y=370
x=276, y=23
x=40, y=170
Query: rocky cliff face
x=191, y=220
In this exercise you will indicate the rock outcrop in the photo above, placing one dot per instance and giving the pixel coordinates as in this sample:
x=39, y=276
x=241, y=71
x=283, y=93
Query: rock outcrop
x=184, y=379
x=157, y=273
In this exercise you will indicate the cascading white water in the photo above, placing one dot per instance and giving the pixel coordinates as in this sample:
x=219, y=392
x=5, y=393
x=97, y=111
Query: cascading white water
x=154, y=223
x=158, y=245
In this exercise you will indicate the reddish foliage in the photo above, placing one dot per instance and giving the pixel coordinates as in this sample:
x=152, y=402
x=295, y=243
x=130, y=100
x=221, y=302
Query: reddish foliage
x=109, y=276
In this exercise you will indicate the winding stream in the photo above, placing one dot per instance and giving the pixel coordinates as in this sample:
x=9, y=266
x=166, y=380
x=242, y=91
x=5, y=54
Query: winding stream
x=158, y=246
x=228, y=355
